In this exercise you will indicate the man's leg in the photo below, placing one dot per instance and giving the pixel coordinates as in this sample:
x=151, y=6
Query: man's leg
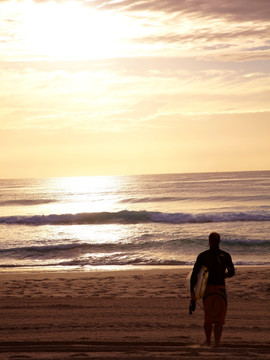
x=208, y=332
x=218, y=327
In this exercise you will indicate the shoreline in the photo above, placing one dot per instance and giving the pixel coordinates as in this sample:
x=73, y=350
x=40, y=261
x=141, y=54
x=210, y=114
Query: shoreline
x=107, y=268
x=128, y=314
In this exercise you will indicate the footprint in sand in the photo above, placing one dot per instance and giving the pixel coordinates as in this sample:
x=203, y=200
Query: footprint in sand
x=79, y=355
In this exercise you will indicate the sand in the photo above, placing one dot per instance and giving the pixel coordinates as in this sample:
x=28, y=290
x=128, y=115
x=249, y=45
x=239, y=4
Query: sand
x=132, y=314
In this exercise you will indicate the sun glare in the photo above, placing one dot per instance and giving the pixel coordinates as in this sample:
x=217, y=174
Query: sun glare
x=69, y=30
x=87, y=194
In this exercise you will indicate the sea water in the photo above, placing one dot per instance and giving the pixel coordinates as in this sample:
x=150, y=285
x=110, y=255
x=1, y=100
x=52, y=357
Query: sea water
x=122, y=221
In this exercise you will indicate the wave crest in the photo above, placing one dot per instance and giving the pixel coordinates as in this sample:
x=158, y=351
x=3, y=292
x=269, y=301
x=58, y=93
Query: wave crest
x=133, y=217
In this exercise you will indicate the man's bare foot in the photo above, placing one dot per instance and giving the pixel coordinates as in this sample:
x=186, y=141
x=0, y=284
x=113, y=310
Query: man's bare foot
x=206, y=343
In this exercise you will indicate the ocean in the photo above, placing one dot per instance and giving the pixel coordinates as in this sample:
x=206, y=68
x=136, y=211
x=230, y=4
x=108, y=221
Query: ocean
x=118, y=222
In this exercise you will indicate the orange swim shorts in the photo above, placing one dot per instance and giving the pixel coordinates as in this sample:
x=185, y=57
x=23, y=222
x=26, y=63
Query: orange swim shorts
x=215, y=304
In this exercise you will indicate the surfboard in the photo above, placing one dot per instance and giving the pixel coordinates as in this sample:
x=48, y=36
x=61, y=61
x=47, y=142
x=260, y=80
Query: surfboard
x=200, y=286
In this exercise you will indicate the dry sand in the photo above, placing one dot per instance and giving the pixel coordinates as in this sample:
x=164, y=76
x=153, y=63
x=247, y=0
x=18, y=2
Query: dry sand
x=133, y=314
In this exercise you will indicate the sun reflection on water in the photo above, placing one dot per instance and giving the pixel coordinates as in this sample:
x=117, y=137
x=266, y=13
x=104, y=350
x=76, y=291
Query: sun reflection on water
x=86, y=194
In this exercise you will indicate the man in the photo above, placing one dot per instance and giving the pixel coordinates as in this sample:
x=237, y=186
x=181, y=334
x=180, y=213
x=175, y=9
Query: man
x=220, y=266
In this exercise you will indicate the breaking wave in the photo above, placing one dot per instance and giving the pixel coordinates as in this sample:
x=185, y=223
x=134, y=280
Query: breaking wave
x=134, y=217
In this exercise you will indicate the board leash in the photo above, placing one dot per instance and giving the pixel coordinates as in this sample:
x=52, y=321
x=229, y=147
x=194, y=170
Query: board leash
x=199, y=304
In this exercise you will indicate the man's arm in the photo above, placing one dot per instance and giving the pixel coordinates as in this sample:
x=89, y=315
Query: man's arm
x=230, y=267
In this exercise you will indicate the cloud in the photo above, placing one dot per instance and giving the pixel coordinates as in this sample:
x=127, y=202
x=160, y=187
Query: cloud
x=205, y=35
x=239, y=29
x=259, y=48
x=240, y=10
x=127, y=95
x=257, y=75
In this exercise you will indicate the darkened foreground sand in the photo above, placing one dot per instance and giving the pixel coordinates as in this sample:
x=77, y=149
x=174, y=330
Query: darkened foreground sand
x=136, y=314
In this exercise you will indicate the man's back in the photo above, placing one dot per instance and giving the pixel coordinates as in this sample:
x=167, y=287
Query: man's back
x=217, y=262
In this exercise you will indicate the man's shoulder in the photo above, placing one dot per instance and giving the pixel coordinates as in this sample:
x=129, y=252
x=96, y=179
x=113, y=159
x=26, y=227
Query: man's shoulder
x=224, y=253
x=204, y=253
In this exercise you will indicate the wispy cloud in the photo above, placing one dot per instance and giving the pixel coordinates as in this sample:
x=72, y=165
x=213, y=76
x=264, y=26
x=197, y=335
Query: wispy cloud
x=198, y=27
x=241, y=10
x=127, y=95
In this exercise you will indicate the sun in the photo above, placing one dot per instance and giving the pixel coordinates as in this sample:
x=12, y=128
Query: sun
x=70, y=30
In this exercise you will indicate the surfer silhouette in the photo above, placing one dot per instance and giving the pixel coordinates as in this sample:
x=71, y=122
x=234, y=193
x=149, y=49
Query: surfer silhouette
x=220, y=266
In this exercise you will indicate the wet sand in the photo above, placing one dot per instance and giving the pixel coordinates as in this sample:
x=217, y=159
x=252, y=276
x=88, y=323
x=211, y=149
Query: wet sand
x=133, y=314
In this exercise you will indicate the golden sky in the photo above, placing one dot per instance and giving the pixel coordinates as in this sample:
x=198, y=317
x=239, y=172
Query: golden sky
x=133, y=86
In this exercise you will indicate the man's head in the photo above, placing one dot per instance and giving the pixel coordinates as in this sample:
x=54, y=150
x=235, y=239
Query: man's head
x=214, y=239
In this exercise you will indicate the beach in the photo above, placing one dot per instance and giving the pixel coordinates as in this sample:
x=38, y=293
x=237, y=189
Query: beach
x=127, y=314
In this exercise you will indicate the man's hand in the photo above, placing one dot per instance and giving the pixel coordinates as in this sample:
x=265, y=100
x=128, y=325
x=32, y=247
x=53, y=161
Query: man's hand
x=192, y=306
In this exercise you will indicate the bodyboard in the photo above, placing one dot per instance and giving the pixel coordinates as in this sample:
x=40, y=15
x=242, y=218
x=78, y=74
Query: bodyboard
x=200, y=286
x=201, y=283
x=188, y=281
